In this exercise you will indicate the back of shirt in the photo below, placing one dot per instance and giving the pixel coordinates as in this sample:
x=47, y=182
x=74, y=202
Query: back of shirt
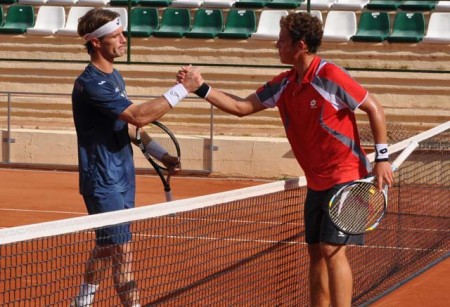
x=104, y=150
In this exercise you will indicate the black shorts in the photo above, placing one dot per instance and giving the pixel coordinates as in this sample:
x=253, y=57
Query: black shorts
x=318, y=225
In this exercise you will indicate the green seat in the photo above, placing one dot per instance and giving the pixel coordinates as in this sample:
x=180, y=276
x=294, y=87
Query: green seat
x=207, y=24
x=18, y=19
x=372, y=27
x=144, y=20
x=1, y=16
x=155, y=2
x=8, y=1
x=284, y=4
x=384, y=4
x=424, y=5
x=251, y=3
x=239, y=24
x=123, y=2
x=175, y=22
x=408, y=27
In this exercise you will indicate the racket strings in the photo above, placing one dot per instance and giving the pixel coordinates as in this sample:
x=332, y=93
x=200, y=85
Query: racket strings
x=357, y=208
x=162, y=137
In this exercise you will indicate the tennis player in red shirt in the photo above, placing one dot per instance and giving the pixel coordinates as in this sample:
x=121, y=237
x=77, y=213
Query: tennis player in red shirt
x=317, y=100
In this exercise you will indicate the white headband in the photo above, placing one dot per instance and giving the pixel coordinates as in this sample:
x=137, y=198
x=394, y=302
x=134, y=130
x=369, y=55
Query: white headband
x=104, y=30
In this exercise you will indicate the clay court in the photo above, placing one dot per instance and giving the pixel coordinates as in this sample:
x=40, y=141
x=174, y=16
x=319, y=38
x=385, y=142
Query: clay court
x=30, y=196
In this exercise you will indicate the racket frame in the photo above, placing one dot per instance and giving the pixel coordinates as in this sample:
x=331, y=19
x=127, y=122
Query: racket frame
x=395, y=165
x=157, y=167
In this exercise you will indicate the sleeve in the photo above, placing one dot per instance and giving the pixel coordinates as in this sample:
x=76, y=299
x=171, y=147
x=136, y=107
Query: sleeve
x=338, y=87
x=269, y=93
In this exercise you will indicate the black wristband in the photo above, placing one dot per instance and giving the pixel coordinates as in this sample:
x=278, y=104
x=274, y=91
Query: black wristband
x=203, y=90
x=382, y=160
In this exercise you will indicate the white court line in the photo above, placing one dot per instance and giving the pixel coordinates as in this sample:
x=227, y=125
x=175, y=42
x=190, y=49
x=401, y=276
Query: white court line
x=43, y=211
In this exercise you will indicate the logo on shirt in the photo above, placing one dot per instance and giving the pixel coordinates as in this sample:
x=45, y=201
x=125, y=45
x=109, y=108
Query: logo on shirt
x=313, y=104
x=341, y=234
x=101, y=82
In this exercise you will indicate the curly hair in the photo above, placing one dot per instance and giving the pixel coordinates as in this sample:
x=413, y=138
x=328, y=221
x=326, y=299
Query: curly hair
x=304, y=27
x=93, y=20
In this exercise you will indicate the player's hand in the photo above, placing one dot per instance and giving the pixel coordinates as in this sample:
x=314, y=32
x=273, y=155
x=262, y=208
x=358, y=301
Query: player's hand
x=172, y=163
x=190, y=77
x=382, y=171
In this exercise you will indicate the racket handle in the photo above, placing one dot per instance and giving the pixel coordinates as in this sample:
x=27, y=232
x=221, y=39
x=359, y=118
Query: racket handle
x=404, y=155
x=169, y=196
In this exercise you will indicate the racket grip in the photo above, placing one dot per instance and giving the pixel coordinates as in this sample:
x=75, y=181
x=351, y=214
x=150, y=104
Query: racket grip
x=169, y=196
x=404, y=155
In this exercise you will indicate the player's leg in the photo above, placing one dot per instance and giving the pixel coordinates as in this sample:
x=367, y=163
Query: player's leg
x=318, y=273
x=339, y=274
x=123, y=276
x=333, y=249
x=318, y=277
x=122, y=259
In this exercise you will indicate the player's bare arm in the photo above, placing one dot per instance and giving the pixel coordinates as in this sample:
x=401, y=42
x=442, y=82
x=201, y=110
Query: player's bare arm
x=226, y=102
x=149, y=111
x=382, y=170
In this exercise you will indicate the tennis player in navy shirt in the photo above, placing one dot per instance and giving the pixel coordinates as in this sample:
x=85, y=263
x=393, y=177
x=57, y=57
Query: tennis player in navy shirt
x=105, y=121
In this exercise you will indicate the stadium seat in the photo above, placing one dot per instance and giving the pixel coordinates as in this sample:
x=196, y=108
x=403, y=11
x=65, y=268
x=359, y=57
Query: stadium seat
x=18, y=19
x=442, y=6
x=162, y=3
x=350, y=4
x=187, y=3
x=424, y=5
x=62, y=2
x=269, y=25
x=123, y=2
x=143, y=21
x=240, y=23
x=251, y=3
x=284, y=4
x=207, y=23
x=75, y=12
x=8, y=1
x=93, y=2
x=408, y=27
x=48, y=20
x=372, y=27
x=339, y=26
x=219, y=3
x=384, y=4
x=319, y=4
x=33, y=2
x=175, y=22
x=438, y=30
x=123, y=15
x=2, y=16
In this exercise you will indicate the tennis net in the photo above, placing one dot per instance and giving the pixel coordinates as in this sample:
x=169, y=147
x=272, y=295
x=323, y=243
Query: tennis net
x=243, y=247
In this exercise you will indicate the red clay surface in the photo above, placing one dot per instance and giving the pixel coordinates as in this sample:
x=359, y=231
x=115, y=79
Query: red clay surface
x=37, y=196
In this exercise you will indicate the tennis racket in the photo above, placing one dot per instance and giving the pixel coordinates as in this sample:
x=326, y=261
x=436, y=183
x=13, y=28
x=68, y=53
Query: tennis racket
x=359, y=206
x=164, y=137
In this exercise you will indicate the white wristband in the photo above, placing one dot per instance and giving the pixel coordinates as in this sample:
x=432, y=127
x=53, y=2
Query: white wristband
x=381, y=152
x=155, y=150
x=176, y=94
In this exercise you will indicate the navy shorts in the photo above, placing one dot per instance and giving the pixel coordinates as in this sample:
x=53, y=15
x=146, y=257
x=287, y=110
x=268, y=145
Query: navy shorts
x=318, y=225
x=108, y=202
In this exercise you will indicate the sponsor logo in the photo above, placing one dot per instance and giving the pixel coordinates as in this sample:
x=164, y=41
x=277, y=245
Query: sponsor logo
x=101, y=82
x=313, y=104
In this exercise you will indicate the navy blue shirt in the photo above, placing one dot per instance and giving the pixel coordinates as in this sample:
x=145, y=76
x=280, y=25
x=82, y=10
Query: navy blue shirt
x=105, y=156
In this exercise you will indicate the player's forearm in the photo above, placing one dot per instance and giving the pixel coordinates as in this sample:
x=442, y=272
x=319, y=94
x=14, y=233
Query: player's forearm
x=230, y=103
x=377, y=119
x=147, y=112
